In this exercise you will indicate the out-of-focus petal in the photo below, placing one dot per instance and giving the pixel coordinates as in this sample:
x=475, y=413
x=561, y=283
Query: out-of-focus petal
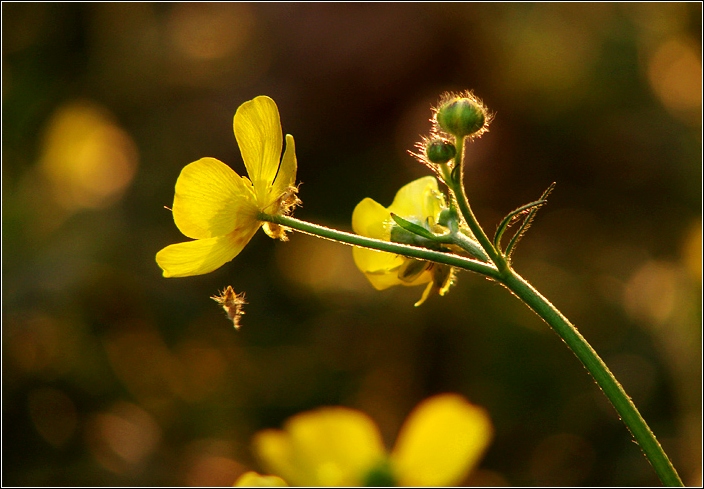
x=275, y=450
x=418, y=200
x=325, y=447
x=202, y=255
x=211, y=200
x=258, y=131
x=441, y=441
x=252, y=479
x=287, y=172
x=371, y=219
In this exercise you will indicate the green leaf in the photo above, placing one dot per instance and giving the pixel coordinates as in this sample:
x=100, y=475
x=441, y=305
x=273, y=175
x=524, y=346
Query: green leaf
x=512, y=217
x=413, y=228
x=527, y=222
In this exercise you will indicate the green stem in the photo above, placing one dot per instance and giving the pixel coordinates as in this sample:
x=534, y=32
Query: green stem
x=568, y=332
x=623, y=404
x=457, y=189
x=466, y=243
x=602, y=375
x=376, y=244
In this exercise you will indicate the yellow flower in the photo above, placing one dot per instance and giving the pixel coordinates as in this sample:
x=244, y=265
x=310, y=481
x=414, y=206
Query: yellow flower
x=440, y=442
x=219, y=209
x=419, y=202
x=252, y=479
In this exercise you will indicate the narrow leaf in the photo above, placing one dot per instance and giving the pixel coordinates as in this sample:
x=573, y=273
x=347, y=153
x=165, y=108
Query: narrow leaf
x=512, y=217
x=413, y=228
x=526, y=222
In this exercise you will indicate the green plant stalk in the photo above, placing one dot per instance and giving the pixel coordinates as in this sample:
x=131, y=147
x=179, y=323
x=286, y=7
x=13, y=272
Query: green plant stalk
x=535, y=301
x=457, y=189
x=376, y=244
x=466, y=243
x=606, y=380
x=613, y=390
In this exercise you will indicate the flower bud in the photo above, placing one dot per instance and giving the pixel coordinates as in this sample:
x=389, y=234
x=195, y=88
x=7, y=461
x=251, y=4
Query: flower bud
x=462, y=116
x=439, y=151
x=449, y=218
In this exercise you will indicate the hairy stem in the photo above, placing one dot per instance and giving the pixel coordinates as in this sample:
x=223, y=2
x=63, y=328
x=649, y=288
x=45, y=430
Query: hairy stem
x=467, y=244
x=457, y=188
x=377, y=244
x=613, y=390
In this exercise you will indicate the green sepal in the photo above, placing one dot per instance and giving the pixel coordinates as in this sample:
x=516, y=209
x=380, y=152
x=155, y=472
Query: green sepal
x=450, y=219
x=413, y=228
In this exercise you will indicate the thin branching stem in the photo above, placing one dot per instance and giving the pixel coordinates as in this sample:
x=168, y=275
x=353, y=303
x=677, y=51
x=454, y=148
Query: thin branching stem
x=457, y=188
x=376, y=244
x=626, y=409
x=501, y=271
x=606, y=380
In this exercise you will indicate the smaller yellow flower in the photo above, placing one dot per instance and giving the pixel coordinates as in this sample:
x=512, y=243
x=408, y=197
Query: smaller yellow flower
x=419, y=202
x=439, y=444
x=219, y=209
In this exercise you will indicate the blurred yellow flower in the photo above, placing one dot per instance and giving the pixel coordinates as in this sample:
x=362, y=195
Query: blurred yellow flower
x=439, y=444
x=219, y=209
x=252, y=479
x=419, y=202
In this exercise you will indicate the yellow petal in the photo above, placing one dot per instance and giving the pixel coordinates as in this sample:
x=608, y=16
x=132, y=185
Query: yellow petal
x=426, y=294
x=378, y=263
x=287, y=172
x=252, y=479
x=258, y=132
x=441, y=441
x=418, y=200
x=212, y=200
x=202, y=255
x=371, y=219
x=324, y=447
x=275, y=450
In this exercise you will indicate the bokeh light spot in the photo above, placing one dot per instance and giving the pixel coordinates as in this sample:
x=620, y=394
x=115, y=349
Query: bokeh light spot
x=545, y=63
x=675, y=75
x=692, y=250
x=87, y=159
x=53, y=414
x=320, y=265
x=210, y=30
x=123, y=437
x=142, y=361
x=32, y=342
x=650, y=293
x=210, y=463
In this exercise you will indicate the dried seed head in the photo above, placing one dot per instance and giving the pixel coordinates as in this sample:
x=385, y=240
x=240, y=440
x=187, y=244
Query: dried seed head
x=232, y=303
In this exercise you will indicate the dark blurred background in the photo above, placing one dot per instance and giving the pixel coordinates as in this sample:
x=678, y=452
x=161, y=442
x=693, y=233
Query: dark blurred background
x=114, y=375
